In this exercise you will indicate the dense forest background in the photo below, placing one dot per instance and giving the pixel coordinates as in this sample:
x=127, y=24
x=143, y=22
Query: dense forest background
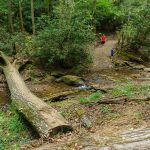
x=60, y=32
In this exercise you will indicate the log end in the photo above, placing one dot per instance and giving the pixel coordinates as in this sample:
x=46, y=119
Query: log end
x=60, y=129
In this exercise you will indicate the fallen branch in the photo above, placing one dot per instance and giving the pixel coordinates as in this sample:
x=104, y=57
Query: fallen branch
x=117, y=100
x=121, y=100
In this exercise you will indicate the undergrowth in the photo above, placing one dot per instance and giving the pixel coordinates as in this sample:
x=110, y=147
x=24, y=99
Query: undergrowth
x=106, y=110
x=130, y=89
x=93, y=97
x=13, y=132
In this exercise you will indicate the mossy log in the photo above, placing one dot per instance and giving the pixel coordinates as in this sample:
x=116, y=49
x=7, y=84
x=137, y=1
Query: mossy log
x=46, y=120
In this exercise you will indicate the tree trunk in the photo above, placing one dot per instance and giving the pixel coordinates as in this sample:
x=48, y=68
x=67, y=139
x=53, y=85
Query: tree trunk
x=21, y=17
x=32, y=15
x=10, y=22
x=94, y=13
x=47, y=6
x=46, y=120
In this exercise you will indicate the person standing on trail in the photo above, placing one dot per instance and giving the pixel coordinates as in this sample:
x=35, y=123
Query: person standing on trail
x=112, y=52
x=103, y=39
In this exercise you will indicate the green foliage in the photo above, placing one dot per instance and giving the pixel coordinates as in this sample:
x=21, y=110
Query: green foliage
x=93, y=97
x=135, y=32
x=12, y=43
x=65, y=40
x=107, y=15
x=12, y=130
x=65, y=28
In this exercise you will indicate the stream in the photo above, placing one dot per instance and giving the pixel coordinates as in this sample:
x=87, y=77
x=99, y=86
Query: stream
x=117, y=134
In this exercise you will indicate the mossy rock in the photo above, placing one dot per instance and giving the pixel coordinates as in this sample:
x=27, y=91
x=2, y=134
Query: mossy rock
x=57, y=74
x=72, y=80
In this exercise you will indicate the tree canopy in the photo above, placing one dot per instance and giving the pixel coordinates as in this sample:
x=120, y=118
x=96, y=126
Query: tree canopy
x=61, y=31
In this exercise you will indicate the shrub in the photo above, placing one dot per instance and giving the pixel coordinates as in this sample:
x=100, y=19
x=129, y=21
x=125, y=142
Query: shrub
x=66, y=39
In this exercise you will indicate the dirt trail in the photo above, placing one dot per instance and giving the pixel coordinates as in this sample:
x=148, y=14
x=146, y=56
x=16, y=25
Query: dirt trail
x=101, y=55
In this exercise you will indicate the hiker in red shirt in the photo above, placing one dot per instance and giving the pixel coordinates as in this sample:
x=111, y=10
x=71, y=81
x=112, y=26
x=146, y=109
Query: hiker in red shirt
x=103, y=39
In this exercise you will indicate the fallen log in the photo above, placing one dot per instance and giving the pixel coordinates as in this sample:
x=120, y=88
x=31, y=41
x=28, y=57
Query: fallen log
x=116, y=100
x=121, y=100
x=46, y=120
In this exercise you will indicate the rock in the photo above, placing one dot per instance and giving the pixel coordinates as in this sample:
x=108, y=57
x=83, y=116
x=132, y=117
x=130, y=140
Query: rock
x=57, y=74
x=129, y=63
x=134, y=58
x=134, y=66
x=119, y=63
x=136, y=75
x=86, y=122
x=139, y=67
x=51, y=78
x=72, y=80
x=58, y=80
x=147, y=69
x=144, y=79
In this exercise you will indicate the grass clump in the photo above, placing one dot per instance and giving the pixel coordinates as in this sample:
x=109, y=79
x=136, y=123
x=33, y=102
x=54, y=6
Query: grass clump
x=13, y=132
x=130, y=89
x=106, y=110
x=92, y=97
x=127, y=89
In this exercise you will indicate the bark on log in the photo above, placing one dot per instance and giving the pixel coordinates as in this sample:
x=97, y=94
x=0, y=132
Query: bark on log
x=46, y=120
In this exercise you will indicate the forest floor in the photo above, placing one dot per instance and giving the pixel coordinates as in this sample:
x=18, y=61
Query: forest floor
x=98, y=126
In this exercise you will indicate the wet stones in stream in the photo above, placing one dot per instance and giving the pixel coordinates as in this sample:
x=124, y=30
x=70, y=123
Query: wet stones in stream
x=71, y=80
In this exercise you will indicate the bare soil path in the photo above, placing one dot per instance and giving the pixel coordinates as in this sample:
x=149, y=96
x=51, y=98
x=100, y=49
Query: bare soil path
x=101, y=53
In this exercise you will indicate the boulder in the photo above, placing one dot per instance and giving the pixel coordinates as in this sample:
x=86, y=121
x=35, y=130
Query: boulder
x=86, y=122
x=147, y=69
x=136, y=75
x=139, y=67
x=72, y=80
